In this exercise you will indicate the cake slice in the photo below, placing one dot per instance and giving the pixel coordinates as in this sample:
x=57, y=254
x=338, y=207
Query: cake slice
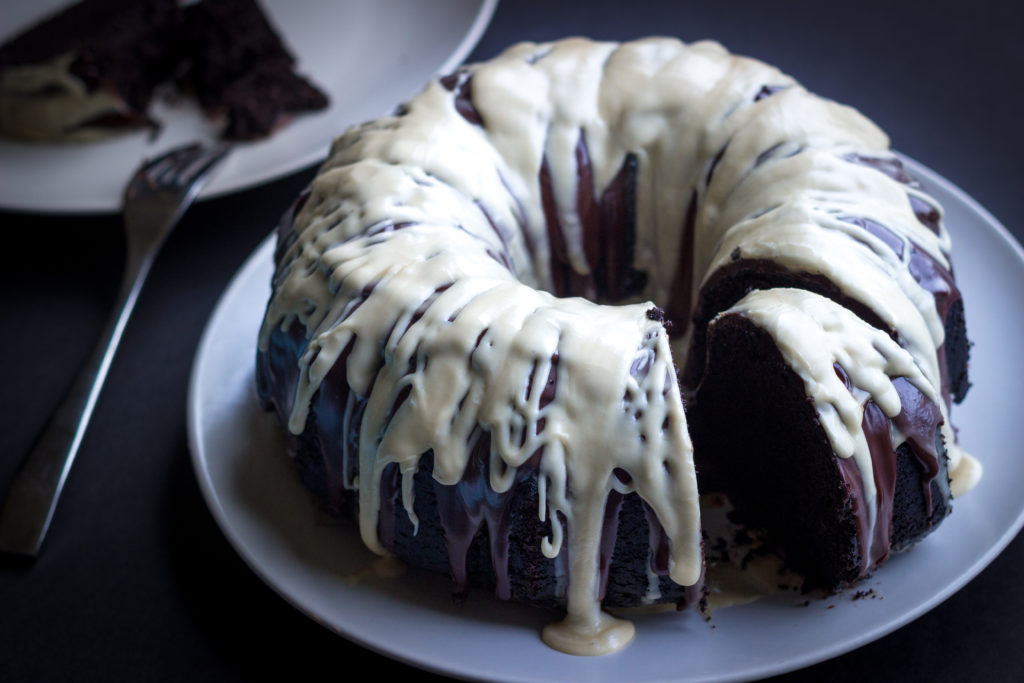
x=823, y=433
x=89, y=71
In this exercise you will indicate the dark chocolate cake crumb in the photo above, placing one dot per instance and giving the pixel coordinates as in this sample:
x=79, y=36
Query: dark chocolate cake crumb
x=242, y=69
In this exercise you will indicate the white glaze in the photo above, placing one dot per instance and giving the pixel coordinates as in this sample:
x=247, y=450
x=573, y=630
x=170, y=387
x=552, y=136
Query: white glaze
x=57, y=115
x=675, y=107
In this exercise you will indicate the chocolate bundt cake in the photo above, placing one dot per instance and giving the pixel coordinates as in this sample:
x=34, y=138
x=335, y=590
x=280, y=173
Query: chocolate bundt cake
x=480, y=303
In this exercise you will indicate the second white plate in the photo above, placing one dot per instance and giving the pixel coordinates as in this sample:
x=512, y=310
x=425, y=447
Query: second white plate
x=367, y=55
x=321, y=567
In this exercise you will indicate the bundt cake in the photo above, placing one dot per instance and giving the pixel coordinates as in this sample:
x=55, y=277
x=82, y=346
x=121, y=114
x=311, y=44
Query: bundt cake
x=480, y=302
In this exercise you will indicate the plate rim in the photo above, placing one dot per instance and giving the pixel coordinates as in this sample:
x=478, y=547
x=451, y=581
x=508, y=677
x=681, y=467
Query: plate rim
x=790, y=664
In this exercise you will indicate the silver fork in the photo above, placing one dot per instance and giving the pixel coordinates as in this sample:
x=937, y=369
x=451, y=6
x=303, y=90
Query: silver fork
x=154, y=200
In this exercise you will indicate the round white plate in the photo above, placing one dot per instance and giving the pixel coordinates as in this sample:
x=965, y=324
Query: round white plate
x=274, y=524
x=366, y=54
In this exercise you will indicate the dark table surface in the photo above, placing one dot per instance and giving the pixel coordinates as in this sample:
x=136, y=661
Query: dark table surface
x=137, y=582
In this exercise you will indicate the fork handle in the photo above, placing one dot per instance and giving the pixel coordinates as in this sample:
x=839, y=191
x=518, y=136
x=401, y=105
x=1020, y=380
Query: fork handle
x=32, y=497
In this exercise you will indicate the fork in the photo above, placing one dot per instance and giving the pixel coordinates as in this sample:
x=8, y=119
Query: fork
x=155, y=199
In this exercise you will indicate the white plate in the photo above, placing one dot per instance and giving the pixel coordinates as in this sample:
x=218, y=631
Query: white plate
x=275, y=525
x=366, y=54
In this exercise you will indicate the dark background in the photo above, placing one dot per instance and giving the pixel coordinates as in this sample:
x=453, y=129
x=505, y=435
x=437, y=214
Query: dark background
x=136, y=581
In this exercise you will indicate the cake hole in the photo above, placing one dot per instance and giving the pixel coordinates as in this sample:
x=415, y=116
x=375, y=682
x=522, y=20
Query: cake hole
x=623, y=476
x=768, y=91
